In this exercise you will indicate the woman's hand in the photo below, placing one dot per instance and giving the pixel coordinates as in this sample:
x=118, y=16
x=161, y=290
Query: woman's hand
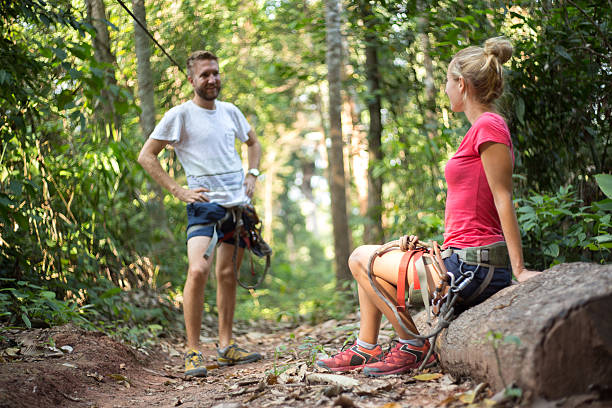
x=525, y=274
x=408, y=242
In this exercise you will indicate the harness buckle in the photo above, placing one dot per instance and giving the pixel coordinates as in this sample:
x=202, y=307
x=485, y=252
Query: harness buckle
x=484, y=255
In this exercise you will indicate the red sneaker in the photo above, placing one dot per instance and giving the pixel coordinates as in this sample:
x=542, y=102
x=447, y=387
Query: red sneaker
x=352, y=358
x=402, y=358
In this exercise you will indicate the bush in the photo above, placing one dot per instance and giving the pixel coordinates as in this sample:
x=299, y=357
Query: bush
x=557, y=228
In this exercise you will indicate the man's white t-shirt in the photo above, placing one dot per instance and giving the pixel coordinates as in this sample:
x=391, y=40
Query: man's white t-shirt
x=204, y=141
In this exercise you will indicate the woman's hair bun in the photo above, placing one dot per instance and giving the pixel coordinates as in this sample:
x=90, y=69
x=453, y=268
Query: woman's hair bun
x=499, y=47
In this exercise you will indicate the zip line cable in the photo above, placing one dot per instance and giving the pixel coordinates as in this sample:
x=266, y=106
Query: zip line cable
x=151, y=36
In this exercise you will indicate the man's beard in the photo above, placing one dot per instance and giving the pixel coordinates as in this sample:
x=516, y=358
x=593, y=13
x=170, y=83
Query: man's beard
x=207, y=94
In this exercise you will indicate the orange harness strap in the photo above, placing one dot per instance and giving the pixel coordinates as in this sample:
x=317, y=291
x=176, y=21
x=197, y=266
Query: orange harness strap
x=409, y=255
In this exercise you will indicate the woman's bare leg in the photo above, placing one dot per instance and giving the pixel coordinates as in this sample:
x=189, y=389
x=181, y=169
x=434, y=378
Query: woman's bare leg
x=371, y=306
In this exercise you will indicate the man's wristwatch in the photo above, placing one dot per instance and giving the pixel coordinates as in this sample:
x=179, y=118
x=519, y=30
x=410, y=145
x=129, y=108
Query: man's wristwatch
x=253, y=172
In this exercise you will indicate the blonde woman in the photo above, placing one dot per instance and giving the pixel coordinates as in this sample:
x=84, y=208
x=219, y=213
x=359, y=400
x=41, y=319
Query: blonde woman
x=479, y=216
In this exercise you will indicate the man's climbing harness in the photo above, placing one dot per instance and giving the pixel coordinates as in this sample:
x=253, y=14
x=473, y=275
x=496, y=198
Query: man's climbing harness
x=420, y=255
x=247, y=226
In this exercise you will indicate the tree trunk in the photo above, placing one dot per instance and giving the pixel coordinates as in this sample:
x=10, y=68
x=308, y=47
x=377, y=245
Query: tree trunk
x=373, y=232
x=335, y=154
x=562, y=320
x=96, y=13
x=431, y=123
x=146, y=92
x=146, y=96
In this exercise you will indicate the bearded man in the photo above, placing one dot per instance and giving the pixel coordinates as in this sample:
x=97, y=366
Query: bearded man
x=202, y=132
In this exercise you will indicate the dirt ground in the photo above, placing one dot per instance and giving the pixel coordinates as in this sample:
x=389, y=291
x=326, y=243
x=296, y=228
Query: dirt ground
x=68, y=367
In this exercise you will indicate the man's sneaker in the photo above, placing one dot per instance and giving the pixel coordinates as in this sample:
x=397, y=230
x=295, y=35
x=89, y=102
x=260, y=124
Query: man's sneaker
x=400, y=359
x=352, y=358
x=194, y=364
x=236, y=355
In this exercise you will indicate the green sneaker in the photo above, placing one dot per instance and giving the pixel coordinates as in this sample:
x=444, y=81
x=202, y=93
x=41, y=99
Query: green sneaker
x=194, y=364
x=236, y=355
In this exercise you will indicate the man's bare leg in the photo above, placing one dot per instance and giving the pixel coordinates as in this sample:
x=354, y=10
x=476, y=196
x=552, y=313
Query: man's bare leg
x=193, y=294
x=226, y=291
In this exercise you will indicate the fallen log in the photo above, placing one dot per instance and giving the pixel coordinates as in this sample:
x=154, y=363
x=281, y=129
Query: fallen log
x=563, y=320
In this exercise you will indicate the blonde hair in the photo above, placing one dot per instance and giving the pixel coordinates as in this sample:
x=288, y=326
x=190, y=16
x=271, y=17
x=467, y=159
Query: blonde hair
x=481, y=67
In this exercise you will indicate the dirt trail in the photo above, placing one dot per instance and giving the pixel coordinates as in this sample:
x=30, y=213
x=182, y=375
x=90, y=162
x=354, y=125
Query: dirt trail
x=87, y=369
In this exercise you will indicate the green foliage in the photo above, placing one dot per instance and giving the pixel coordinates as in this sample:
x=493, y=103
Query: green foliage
x=82, y=234
x=557, y=228
x=277, y=369
x=497, y=339
x=559, y=95
x=25, y=304
x=72, y=219
x=309, y=349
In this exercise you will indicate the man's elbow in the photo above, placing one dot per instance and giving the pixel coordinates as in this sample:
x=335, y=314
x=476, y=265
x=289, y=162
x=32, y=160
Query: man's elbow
x=142, y=158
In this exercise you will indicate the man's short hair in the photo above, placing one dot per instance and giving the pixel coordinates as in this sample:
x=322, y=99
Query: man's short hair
x=197, y=56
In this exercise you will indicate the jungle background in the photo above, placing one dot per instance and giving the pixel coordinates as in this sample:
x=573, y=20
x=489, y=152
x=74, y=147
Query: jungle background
x=87, y=238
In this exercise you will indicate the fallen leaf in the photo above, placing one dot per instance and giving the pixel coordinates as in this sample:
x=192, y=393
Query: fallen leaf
x=66, y=349
x=427, y=377
x=332, y=391
x=391, y=405
x=53, y=352
x=69, y=365
x=271, y=379
x=96, y=376
x=344, y=402
x=33, y=351
x=121, y=379
x=448, y=400
x=248, y=382
x=467, y=397
x=470, y=396
x=373, y=387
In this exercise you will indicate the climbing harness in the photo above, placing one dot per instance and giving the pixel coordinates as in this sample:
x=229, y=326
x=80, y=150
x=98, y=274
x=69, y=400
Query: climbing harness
x=441, y=304
x=246, y=226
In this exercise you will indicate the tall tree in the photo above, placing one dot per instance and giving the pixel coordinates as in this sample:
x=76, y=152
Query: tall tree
x=96, y=13
x=373, y=231
x=146, y=92
x=146, y=95
x=430, y=118
x=337, y=184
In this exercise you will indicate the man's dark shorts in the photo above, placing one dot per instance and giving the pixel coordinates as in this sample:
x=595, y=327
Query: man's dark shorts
x=502, y=277
x=210, y=213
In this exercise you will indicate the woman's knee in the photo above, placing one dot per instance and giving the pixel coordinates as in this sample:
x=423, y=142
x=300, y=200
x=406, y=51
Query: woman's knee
x=358, y=261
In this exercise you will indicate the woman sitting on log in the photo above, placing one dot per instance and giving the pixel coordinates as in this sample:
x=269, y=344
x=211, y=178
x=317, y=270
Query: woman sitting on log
x=479, y=217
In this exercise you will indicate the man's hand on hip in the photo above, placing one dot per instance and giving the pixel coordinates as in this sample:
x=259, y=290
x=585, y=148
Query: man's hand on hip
x=192, y=196
x=249, y=185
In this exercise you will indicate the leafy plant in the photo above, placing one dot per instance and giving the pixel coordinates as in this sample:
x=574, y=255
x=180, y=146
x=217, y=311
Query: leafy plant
x=276, y=368
x=496, y=339
x=556, y=228
x=27, y=304
x=309, y=349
